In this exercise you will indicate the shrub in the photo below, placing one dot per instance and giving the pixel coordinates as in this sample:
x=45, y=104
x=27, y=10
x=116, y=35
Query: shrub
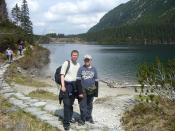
x=157, y=79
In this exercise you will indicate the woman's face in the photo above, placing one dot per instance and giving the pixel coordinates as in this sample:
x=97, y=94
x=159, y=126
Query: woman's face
x=87, y=62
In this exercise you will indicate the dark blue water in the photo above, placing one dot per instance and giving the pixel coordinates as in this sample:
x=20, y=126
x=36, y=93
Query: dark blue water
x=114, y=62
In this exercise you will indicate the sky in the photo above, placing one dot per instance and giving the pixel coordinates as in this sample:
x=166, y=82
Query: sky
x=66, y=16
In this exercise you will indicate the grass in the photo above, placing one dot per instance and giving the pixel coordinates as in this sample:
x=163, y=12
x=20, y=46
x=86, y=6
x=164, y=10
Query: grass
x=2, y=58
x=28, y=81
x=148, y=116
x=13, y=75
x=16, y=119
x=42, y=94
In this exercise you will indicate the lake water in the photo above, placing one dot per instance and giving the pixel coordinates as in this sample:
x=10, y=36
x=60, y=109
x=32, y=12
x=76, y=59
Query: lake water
x=114, y=62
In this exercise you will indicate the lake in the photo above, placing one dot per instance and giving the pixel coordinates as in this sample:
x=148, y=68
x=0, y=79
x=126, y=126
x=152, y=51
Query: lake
x=113, y=62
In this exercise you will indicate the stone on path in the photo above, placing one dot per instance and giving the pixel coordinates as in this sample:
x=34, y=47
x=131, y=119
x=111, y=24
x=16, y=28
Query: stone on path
x=39, y=104
x=52, y=108
x=18, y=103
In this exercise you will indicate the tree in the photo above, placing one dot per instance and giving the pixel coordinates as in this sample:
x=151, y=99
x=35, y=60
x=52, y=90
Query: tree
x=3, y=11
x=16, y=15
x=26, y=23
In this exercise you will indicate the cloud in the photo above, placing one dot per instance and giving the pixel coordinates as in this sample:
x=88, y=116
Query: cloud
x=33, y=5
x=39, y=24
x=66, y=16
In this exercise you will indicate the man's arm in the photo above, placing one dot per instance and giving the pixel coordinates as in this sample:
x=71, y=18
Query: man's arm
x=63, y=88
x=63, y=72
x=96, y=83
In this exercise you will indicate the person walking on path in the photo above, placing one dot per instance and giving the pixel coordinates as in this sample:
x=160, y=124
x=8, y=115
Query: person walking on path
x=20, y=48
x=68, y=87
x=9, y=54
x=87, y=82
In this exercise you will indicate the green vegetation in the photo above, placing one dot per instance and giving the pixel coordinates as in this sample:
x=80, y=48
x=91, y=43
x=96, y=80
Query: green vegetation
x=20, y=29
x=143, y=21
x=12, y=118
x=149, y=117
x=54, y=35
x=157, y=79
x=10, y=34
x=42, y=94
x=156, y=103
x=35, y=57
x=14, y=75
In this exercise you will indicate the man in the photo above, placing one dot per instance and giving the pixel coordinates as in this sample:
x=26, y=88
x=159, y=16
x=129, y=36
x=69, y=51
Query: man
x=9, y=54
x=68, y=87
x=88, y=89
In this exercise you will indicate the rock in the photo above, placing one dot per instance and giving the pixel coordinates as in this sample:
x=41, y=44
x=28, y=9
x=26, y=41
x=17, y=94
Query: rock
x=5, y=91
x=5, y=84
x=51, y=108
x=33, y=100
x=18, y=103
x=18, y=95
x=56, y=124
x=8, y=95
x=32, y=109
x=38, y=104
x=22, y=97
x=19, y=69
x=48, y=117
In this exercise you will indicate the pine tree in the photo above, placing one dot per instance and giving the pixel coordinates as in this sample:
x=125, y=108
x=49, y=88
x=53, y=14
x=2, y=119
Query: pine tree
x=3, y=11
x=26, y=23
x=16, y=15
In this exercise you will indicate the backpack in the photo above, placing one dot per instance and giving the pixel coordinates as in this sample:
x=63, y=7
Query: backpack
x=58, y=75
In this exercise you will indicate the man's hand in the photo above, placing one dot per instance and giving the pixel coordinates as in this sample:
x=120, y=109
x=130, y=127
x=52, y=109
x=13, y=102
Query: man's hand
x=63, y=89
x=81, y=96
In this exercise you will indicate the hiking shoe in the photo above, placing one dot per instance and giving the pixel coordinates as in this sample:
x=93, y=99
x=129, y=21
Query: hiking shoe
x=73, y=120
x=66, y=128
x=81, y=122
x=91, y=121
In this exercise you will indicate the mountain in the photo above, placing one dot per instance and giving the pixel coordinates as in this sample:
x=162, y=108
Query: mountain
x=137, y=22
x=138, y=12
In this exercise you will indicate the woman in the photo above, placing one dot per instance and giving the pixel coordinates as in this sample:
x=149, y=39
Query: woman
x=88, y=89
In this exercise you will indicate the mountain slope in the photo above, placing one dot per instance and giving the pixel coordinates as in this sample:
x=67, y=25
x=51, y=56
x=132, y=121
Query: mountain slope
x=138, y=12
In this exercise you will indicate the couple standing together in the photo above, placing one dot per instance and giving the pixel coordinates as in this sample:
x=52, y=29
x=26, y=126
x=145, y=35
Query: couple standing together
x=78, y=82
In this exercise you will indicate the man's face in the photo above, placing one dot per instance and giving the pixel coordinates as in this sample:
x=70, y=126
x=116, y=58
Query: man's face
x=74, y=56
x=87, y=62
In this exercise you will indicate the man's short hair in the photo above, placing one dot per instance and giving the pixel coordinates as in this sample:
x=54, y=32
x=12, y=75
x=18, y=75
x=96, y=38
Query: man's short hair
x=75, y=51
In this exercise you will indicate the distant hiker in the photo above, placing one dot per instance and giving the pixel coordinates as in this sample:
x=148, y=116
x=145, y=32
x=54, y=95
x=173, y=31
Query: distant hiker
x=68, y=87
x=9, y=54
x=20, y=48
x=88, y=89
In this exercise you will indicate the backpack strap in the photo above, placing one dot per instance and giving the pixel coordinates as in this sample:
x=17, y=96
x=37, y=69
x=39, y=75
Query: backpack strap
x=68, y=66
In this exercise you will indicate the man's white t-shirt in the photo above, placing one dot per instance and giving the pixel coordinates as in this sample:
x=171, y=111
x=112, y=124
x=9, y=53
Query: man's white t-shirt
x=72, y=72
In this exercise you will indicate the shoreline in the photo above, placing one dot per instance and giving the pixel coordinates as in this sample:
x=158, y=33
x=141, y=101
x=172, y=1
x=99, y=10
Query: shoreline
x=109, y=43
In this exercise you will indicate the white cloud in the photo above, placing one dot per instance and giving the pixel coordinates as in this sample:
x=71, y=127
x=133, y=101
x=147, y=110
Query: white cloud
x=66, y=16
x=39, y=24
x=33, y=5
